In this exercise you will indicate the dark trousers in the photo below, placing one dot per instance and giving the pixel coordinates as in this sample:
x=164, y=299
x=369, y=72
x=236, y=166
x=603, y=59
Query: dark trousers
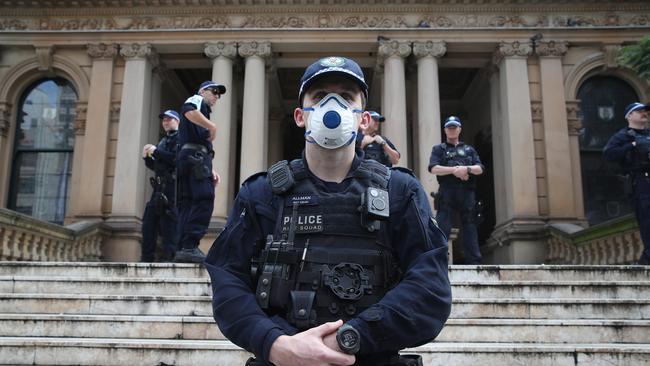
x=154, y=223
x=195, y=205
x=641, y=201
x=395, y=360
x=463, y=200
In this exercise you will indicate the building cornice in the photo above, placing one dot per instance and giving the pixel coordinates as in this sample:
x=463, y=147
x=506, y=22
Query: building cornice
x=135, y=15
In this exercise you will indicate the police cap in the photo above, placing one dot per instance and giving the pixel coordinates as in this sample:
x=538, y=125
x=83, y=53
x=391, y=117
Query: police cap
x=330, y=66
x=635, y=107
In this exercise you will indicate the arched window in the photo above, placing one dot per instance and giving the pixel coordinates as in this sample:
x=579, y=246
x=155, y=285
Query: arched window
x=43, y=147
x=602, y=104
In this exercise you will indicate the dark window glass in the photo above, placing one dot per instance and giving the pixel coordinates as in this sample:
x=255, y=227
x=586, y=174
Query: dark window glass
x=43, y=146
x=602, y=104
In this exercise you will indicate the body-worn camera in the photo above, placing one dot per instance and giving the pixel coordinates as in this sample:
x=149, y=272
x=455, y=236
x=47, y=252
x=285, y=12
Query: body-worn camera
x=375, y=206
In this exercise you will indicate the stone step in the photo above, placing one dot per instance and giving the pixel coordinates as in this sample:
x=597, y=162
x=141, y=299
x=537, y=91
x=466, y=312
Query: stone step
x=491, y=273
x=457, y=273
x=201, y=287
x=632, y=309
x=103, y=269
x=204, y=328
x=80, y=351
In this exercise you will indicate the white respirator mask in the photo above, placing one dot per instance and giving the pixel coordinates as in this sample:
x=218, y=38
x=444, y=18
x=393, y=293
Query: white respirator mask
x=331, y=123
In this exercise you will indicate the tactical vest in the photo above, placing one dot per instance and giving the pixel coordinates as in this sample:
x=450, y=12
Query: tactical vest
x=459, y=155
x=376, y=152
x=165, y=173
x=641, y=153
x=334, y=261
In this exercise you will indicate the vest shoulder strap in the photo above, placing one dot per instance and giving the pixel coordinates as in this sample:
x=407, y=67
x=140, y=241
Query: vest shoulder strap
x=377, y=172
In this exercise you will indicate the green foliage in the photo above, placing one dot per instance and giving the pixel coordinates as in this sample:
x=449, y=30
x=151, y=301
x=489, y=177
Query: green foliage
x=637, y=57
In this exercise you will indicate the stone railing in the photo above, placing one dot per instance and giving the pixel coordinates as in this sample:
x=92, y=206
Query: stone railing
x=613, y=242
x=24, y=238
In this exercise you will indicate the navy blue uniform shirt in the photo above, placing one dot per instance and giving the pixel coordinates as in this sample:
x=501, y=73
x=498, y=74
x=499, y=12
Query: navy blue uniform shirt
x=189, y=131
x=411, y=314
x=438, y=158
x=619, y=147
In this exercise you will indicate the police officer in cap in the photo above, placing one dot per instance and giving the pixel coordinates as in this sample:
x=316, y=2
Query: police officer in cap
x=630, y=147
x=196, y=178
x=330, y=259
x=160, y=214
x=456, y=166
x=376, y=146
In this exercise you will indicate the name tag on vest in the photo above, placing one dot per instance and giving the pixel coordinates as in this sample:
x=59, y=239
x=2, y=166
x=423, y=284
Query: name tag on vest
x=302, y=200
x=307, y=223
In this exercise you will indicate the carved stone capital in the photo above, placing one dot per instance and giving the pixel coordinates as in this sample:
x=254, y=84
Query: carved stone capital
x=102, y=50
x=610, y=51
x=552, y=48
x=137, y=50
x=220, y=49
x=44, y=57
x=511, y=49
x=389, y=48
x=5, y=109
x=574, y=123
x=254, y=48
x=429, y=48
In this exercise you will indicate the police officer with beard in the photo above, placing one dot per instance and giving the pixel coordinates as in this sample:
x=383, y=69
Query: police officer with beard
x=196, y=178
x=630, y=147
x=456, y=165
x=376, y=146
x=160, y=214
x=330, y=259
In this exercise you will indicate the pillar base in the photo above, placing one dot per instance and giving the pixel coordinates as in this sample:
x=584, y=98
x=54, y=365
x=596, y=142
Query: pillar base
x=216, y=227
x=518, y=241
x=124, y=245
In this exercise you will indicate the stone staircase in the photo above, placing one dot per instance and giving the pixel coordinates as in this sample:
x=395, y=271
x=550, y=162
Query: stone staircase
x=160, y=314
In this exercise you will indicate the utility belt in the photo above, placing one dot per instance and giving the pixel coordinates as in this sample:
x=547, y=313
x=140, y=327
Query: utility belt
x=199, y=160
x=396, y=360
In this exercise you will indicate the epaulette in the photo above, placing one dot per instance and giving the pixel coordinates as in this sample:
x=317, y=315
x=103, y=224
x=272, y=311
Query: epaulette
x=405, y=170
x=253, y=177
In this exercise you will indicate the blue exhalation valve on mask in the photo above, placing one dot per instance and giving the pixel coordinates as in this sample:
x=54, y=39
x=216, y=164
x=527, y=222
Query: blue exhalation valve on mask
x=331, y=123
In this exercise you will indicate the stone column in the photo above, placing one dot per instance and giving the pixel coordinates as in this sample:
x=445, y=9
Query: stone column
x=556, y=136
x=392, y=53
x=5, y=154
x=129, y=186
x=497, y=147
x=427, y=54
x=222, y=55
x=93, y=170
x=574, y=125
x=254, y=129
x=519, y=154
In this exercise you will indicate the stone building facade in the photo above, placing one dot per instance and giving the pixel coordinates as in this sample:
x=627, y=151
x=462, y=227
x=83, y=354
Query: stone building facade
x=524, y=77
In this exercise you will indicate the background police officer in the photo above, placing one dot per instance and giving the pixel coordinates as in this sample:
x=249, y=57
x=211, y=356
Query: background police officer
x=160, y=214
x=352, y=241
x=376, y=146
x=456, y=164
x=196, y=178
x=630, y=147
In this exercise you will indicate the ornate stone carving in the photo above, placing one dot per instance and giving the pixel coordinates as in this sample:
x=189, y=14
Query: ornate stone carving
x=80, y=119
x=276, y=22
x=5, y=109
x=429, y=48
x=220, y=49
x=102, y=50
x=13, y=24
x=511, y=49
x=388, y=48
x=137, y=50
x=44, y=57
x=574, y=123
x=536, y=111
x=610, y=51
x=254, y=48
x=552, y=48
x=371, y=22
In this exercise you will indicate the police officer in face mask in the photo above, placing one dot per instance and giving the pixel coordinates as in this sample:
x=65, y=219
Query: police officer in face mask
x=630, y=147
x=196, y=178
x=330, y=259
x=160, y=214
x=456, y=165
x=376, y=146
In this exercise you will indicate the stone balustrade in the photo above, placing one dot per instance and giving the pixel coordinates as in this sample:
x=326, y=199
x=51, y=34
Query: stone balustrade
x=23, y=238
x=613, y=242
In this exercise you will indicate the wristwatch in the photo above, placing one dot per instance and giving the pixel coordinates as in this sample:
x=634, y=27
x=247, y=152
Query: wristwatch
x=348, y=339
x=469, y=170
